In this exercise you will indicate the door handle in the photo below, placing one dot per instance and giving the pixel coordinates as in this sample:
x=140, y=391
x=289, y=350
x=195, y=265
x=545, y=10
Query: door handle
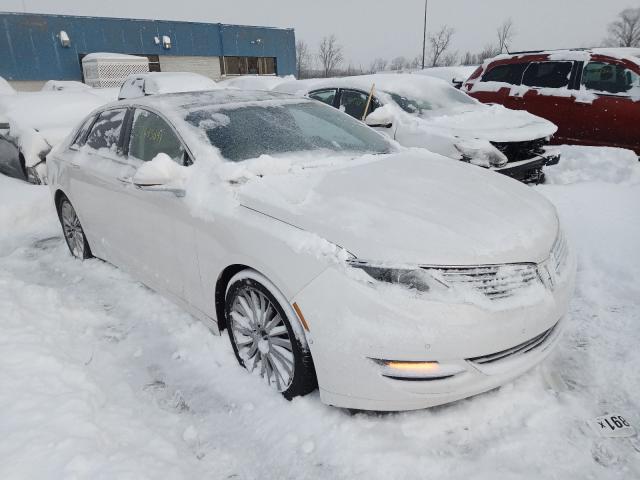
x=178, y=192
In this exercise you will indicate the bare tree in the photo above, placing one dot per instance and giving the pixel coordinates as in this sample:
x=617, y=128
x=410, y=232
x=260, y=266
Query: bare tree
x=378, y=65
x=302, y=58
x=448, y=59
x=329, y=54
x=470, y=59
x=625, y=30
x=440, y=42
x=416, y=62
x=505, y=35
x=489, y=51
x=398, y=63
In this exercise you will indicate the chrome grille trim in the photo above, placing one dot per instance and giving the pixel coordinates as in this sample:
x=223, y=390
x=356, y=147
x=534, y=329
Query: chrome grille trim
x=521, y=349
x=494, y=281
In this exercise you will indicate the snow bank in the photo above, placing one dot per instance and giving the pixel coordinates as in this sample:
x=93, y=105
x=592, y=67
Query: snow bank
x=6, y=88
x=593, y=164
x=101, y=378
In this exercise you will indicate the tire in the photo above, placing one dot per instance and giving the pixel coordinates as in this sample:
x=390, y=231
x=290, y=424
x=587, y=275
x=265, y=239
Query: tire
x=72, y=230
x=268, y=344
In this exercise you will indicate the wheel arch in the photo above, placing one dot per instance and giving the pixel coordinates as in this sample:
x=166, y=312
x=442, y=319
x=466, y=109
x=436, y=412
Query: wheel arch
x=221, y=289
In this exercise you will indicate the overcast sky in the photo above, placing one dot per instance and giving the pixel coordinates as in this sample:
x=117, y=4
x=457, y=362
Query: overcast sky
x=375, y=28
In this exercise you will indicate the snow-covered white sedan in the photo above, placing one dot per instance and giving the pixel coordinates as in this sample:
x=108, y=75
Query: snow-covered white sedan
x=391, y=278
x=422, y=111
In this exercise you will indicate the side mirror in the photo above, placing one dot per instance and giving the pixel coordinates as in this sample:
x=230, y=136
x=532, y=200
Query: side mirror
x=379, y=119
x=160, y=171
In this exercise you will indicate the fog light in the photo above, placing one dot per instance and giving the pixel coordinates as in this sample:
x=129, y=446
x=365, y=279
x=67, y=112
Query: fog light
x=410, y=370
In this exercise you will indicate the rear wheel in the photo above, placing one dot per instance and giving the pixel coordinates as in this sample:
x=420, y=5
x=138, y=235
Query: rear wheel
x=263, y=338
x=72, y=229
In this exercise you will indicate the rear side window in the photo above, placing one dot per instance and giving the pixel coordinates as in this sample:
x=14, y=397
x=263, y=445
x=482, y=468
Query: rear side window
x=105, y=132
x=609, y=78
x=547, y=74
x=325, y=96
x=510, y=73
x=151, y=135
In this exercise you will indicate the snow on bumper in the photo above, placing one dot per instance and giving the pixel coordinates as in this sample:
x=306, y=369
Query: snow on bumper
x=352, y=324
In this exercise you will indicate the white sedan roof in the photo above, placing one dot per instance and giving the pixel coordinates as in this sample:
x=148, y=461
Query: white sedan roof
x=155, y=83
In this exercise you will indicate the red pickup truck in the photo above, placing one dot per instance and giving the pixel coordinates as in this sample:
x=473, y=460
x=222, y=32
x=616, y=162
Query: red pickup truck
x=592, y=95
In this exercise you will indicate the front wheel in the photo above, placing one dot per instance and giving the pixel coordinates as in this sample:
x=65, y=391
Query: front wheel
x=73, y=232
x=262, y=336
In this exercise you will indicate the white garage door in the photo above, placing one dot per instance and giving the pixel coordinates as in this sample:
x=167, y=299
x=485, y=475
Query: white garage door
x=207, y=66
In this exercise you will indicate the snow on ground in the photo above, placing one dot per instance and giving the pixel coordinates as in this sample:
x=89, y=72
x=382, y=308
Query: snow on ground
x=100, y=378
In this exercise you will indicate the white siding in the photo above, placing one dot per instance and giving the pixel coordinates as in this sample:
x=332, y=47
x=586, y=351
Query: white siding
x=207, y=66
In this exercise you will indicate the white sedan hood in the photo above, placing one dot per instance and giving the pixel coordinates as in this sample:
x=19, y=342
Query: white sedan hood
x=490, y=122
x=412, y=208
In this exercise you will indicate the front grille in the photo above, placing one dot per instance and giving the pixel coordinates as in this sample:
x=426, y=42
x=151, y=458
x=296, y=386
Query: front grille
x=495, y=281
x=517, y=151
x=521, y=349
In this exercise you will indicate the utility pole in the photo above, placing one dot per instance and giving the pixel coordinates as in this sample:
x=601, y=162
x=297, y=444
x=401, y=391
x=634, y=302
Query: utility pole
x=424, y=33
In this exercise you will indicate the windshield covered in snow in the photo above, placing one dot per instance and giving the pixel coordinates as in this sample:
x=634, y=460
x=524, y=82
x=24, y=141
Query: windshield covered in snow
x=443, y=98
x=249, y=131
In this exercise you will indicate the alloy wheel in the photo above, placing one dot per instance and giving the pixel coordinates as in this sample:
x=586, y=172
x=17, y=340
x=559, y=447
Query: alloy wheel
x=73, y=233
x=261, y=337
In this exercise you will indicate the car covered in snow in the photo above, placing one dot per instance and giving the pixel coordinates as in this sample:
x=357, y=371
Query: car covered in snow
x=31, y=123
x=390, y=278
x=154, y=83
x=592, y=95
x=421, y=111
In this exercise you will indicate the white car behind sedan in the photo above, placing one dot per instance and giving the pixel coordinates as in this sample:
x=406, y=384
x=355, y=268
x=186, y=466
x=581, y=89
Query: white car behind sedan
x=390, y=279
x=421, y=111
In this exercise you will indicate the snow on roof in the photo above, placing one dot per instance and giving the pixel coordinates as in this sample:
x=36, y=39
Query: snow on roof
x=173, y=82
x=450, y=74
x=577, y=54
x=255, y=82
x=405, y=84
x=223, y=97
x=112, y=56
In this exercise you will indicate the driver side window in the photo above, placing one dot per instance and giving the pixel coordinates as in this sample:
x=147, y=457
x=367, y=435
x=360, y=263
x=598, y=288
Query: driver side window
x=151, y=135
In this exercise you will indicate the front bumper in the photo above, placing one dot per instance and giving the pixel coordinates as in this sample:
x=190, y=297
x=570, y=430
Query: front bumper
x=352, y=322
x=529, y=170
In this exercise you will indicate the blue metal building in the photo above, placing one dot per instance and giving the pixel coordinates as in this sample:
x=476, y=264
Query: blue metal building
x=37, y=47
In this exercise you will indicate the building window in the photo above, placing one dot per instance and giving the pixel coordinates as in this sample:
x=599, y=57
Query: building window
x=249, y=66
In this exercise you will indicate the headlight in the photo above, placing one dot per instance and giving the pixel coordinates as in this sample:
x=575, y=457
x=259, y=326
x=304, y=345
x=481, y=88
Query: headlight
x=481, y=153
x=413, y=278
